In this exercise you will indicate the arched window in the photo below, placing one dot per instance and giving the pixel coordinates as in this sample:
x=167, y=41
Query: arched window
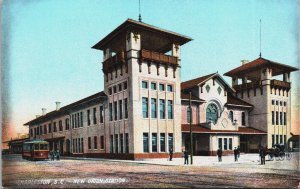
x=212, y=113
x=230, y=116
x=243, y=118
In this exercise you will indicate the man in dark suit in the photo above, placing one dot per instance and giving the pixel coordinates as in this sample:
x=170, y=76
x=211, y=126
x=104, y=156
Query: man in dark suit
x=186, y=157
x=219, y=153
x=235, y=152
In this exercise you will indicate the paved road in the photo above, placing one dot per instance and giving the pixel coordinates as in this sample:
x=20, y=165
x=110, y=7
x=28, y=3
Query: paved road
x=72, y=173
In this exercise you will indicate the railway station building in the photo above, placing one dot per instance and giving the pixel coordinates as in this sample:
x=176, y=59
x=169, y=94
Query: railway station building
x=143, y=110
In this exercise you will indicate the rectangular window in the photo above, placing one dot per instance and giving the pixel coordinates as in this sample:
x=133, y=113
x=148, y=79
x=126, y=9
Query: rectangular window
x=126, y=108
x=162, y=109
x=144, y=84
x=284, y=118
x=72, y=121
x=126, y=143
x=54, y=127
x=76, y=145
x=45, y=129
x=284, y=103
x=75, y=120
x=121, y=143
x=41, y=130
x=60, y=125
x=78, y=120
x=145, y=142
x=284, y=138
x=281, y=139
x=82, y=146
x=276, y=102
x=120, y=87
x=230, y=144
x=49, y=128
x=225, y=143
x=120, y=109
x=280, y=103
x=162, y=142
x=281, y=118
x=169, y=88
x=116, y=143
x=101, y=114
x=110, y=112
x=125, y=85
x=111, y=144
x=273, y=119
x=153, y=86
x=243, y=118
x=88, y=117
x=154, y=142
x=273, y=102
x=95, y=142
x=35, y=132
x=277, y=139
x=101, y=142
x=109, y=91
x=79, y=146
x=170, y=141
x=277, y=118
x=162, y=87
x=94, y=115
x=188, y=115
x=145, y=107
x=273, y=140
x=220, y=144
x=81, y=119
x=89, y=143
x=170, y=109
x=115, y=89
x=67, y=124
x=153, y=108
x=116, y=110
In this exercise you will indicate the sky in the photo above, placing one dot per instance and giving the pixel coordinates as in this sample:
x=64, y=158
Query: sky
x=47, y=55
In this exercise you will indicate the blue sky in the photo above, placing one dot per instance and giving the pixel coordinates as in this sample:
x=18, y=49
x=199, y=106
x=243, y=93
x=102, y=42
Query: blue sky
x=47, y=53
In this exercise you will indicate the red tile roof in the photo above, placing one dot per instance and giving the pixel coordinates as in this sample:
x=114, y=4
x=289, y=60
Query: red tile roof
x=235, y=101
x=95, y=98
x=194, y=82
x=259, y=63
x=203, y=129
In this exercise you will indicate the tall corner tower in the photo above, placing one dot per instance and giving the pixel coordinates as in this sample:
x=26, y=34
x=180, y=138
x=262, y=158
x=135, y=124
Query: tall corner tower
x=258, y=83
x=147, y=58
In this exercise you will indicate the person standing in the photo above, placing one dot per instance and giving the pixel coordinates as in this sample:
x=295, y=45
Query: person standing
x=186, y=157
x=238, y=151
x=262, y=154
x=52, y=155
x=219, y=154
x=235, y=154
x=171, y=153
x=57, y=155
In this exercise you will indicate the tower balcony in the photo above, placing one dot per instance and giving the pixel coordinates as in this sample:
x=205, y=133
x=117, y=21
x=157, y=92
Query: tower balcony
x=158, y=57
x=273, y=83
x=114, y=62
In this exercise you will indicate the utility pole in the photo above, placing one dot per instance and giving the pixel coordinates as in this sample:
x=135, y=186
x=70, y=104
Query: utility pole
x=191, y=134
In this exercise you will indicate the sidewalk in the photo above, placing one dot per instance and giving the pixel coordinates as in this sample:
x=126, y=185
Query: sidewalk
x=197, y=160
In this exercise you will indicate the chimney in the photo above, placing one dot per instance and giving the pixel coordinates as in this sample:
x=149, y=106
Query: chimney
x=244, y=61
x=43, y=111
x=57, y=105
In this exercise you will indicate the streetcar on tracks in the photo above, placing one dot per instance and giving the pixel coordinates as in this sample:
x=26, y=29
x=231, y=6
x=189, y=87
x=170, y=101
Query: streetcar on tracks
x=35, y=149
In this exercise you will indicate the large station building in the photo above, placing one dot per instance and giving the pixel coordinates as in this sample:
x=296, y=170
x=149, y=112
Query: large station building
x=143, y=111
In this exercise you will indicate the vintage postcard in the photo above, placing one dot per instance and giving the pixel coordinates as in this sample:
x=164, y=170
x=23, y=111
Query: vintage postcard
x=150, y=94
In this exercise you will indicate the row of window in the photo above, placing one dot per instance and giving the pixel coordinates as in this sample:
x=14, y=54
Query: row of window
x=281, y=103
x=76, y=122
x=279, y=92
x=96, y=142
x=161, y=86
x=117, y=139
x=116, y=72
x=117, y=106
x=243, y=118
x=117, y=88
x=225, y=143
x=78, y=146
x=154, y=141
x=278, y=116
x=280, y=139
x=162, y=108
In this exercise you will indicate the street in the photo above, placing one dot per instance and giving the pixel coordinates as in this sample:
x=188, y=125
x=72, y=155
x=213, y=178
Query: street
x=97, y=173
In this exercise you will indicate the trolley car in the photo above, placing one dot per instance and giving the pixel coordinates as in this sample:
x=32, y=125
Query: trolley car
x=35, y=150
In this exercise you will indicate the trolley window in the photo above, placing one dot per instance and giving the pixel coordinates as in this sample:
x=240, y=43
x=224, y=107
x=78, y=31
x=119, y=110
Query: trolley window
x=43, y=146
x=36, y=146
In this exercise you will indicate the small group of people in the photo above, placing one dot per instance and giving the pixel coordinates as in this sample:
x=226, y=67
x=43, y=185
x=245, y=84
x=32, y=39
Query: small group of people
x=54, y=154
x=185, y=156
x=236, y=153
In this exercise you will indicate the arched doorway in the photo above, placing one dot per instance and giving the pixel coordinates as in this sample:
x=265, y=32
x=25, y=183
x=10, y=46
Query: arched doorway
x=68, y=147
x=211, y=113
